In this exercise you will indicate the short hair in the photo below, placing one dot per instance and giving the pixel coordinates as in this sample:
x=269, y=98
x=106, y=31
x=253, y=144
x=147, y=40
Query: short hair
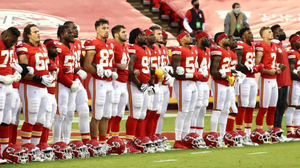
x=291, y=36
x=13, y=31
x=261, y=31
x=155, y=27
x=274, y=27
x=26, y=32
x=68, y=22
x=133, y=35
x=298, y=32
x=234, y=4
x=47, y=40
x=61, y=29
x=217, y=35
x=101, y=21
x=117, y=29
x=243, y=30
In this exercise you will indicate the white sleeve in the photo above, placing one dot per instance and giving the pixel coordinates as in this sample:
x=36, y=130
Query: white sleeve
x=186, y=25
x=203, y=26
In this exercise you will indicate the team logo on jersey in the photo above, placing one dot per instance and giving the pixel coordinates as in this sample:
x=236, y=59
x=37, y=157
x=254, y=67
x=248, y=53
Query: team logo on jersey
x=21, y=18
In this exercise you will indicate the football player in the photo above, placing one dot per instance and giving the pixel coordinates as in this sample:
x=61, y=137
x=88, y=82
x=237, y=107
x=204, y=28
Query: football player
x=7, y=77
x=268, y=90
x=120, y=100
x=67, y=86
x=53, y=67
x=292, y=116
x=247, y=90
x=203, y=63
x=137, y=87
x=222, y=80
x=99, y=62
x=185, y=72
x=33, y=58
x=81, y=100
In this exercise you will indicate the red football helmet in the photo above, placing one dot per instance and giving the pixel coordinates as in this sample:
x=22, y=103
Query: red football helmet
x=212, y=140
x=275, y=134
x=46, y=151
x=297, y=133
x=158, y=143
x=79, y=149
x=33, y=152
x=193, y=141
x=144, y=144
x=95, y=148
x=62, y=151
x=15, y=154
x=115, y=146
x=232, y=138
x=260, y=136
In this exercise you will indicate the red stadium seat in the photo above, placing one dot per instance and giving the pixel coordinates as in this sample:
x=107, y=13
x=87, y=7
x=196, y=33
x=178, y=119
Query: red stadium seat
x=164, y=11
x=173, y=21
x=155, y=4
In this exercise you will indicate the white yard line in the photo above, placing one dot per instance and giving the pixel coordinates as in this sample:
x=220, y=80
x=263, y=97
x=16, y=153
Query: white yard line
x=169, y=160
x=203, y=152
x=256, y=153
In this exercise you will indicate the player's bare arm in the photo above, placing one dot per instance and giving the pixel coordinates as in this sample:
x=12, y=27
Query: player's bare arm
x=241, y=67
x=294, y=75
x=215, y=61
x=132, y=76
x=176, y=60
x=88, y=60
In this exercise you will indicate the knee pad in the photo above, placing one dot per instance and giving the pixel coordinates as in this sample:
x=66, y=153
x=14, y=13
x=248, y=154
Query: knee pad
x=2, y=102
x=82, y=109
x=100, y=98
x=33, y=105
x=116, y=97
x=70, y=116
x=215, y=116
x=137, y=100
x=59, y=118
x=181, y=114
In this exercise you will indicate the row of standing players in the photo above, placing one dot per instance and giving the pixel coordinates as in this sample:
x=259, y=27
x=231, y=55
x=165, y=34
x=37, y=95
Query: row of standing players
x=144, y=64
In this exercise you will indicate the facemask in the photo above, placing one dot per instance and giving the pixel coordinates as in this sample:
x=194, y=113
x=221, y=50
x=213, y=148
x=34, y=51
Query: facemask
x=282, y=37
x=196, y=6
x=237, y=10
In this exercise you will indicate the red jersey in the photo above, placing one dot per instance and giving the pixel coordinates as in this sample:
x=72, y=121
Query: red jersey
x=121, y=57
x=37, y=59
x=233, y=62
x=6, y=59
x=224, y=62
x=292, y=54
x=164, y=55
x=203, y=60
x=66, y=64
x=268, y=58
x=77, y=53
x=154, y=60
x=52, y=87
x=248, y=55
x=104, y=55
x=142, y=62
x=188, y=59
x=15, y=60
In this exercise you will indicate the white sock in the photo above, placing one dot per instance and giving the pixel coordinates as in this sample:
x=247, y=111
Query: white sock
x=160, y=123
x=84, y=124
x=214, y=120
x=200, y=120
x=223, y=122
x=67, y=127
x=179, y=125
x=296, y=118
x=57, y=126
x=289, y=116
x=35, y=141
x=194, y=119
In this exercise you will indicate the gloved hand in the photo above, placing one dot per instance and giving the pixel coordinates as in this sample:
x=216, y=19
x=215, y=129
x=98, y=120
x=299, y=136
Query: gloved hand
x=100, y=70
x=114, y=75
x=47, y=80
x=142, y=87
x=230, y=80
x=82, y=74
x=151, y=90
x=180, y=70
x=258, y=68
x=223, y=73
x=197, y=76
x=75, y=86
x=107, y=73
x=17, y=67
x=30, y=70
x=159, y=73
x=17, y=76
x=7, y=80
x=249, y=66
x=168, y=69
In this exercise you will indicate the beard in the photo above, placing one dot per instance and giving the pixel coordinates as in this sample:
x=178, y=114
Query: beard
x=52, y=55
x=205, y=44
x=141, y=43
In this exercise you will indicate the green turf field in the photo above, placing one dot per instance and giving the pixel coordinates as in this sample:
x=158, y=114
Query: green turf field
x=284, y=155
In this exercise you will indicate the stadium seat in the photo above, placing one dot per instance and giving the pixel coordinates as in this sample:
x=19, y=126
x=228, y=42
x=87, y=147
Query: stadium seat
x=154, y=5
x=164, y=11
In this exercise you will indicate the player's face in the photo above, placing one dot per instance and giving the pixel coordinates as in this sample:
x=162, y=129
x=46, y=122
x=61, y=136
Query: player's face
x=34, y=35
x=102, y=30
x=123, y=35
x=52, y=51
x=69, y=36
x=248, y=36
x=225, y=41
x=268, y=34
x=232, y=42
x=205, y=42
x=187, y=39
x=298, y=43
x=10, y=40
x=164, y=41
x=142, y=38
x=74, y=29
x=151, y=39
x=158, y=36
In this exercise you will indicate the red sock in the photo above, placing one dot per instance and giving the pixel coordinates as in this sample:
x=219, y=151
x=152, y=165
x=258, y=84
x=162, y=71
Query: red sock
x=230, y=122
x=85, y=137
x=37, y=131
x=270, y=116
x=115, y=126
x=4, y=136
x=45, y=135
x=131, y=125
x=149, y=122
x=14, y=134
x=260, y=117
x=140, y=128
x=26, y=131
x=240, y=118
x=248, y=117
x=94, y=138
x=155, y=123
x=108, y=127
x=102, y=139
